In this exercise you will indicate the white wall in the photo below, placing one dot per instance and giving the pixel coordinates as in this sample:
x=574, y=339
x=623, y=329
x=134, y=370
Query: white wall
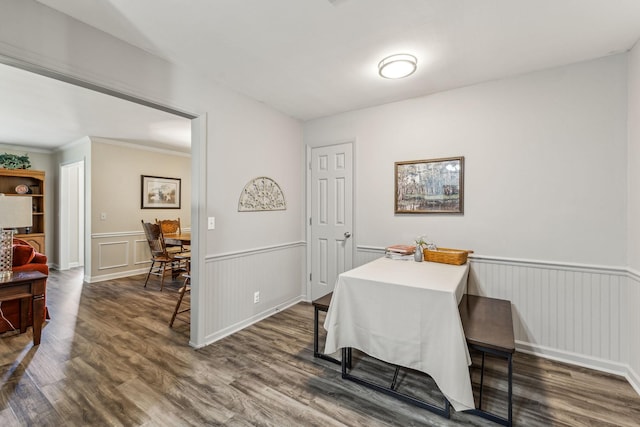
x=244, y=139
x=545, y=199
x=633, y=234
x=118, y=245
x=545, y=159
x=633, y=257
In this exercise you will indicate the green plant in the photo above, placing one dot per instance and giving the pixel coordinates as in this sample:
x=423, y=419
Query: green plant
x=14, y=161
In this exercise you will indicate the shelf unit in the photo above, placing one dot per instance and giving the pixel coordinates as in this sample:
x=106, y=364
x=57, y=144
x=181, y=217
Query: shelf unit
x=9, y=180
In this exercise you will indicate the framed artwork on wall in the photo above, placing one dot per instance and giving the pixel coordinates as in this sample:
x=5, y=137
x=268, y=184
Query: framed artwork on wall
x=429, y=186
x=160, y=193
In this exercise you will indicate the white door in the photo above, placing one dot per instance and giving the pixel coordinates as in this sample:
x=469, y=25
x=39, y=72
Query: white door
x=331, y=216
x=71, y=237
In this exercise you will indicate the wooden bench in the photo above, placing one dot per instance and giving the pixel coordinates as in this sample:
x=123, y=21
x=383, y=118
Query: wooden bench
x=321, y=304
x=488, y=328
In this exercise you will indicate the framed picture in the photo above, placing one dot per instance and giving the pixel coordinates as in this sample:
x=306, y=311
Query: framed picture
x=430, y=186
x=160, y=193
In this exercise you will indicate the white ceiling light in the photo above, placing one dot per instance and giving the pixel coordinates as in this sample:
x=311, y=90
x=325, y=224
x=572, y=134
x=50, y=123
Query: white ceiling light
x=397, y=66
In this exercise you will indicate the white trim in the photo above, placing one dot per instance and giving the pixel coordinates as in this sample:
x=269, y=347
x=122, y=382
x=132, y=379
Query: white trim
x=372, y=249
x=598, y=364
x=141, y=147
x=239, y=254
x=553, y=264
x=633, y=274
x=116, y=234
x=634, y=379
x=21, y=149
x=111, y=276
x=603, y=365
x=123, y=234
x=533, y=263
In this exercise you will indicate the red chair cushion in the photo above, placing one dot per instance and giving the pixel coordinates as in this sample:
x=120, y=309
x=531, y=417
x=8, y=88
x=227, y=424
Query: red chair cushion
x=22, y=255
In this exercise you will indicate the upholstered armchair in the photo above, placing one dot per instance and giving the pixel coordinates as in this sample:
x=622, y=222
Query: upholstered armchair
x=25, y=258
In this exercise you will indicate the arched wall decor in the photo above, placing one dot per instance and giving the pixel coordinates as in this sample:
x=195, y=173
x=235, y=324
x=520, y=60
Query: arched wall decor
x=261, y=194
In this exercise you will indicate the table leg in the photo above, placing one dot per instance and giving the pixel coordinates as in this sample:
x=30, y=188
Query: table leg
x=38, y=314
x=346, y=365
x=24, y=315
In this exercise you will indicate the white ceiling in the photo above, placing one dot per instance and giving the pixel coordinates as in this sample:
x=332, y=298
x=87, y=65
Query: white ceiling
x=41, y=112
x=312, y=58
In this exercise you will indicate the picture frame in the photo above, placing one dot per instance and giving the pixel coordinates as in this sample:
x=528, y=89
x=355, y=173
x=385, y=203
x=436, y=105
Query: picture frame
x=160, y=192
x=429, y=186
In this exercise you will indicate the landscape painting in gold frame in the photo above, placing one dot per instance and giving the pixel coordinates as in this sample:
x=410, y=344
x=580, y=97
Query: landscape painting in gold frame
x=430, y=186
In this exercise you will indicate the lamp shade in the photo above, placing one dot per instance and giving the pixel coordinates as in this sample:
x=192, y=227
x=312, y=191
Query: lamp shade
x=15, y=211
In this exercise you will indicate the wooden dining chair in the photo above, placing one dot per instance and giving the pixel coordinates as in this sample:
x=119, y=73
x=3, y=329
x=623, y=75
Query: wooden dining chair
x=171, y=226
x=186, y=288
x=161, y=260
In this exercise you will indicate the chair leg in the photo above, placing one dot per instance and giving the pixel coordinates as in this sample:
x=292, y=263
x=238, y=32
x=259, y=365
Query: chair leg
x=149, y=273
x=181, y=293
x=175, y=312
x=163, y=270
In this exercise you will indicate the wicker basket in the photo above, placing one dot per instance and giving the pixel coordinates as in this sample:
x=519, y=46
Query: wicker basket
x=447, y=256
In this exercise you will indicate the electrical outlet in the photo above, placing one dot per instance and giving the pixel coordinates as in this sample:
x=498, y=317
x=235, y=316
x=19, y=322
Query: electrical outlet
x=256, y=297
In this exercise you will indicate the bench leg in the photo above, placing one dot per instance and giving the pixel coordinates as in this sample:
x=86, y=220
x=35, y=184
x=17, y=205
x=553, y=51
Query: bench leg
x=510, y=417
x=481, y=382
x=315, y=332
x=395, y=378
x=505, y=421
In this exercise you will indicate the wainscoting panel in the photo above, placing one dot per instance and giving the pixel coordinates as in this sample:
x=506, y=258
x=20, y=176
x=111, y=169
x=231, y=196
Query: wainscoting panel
x=571, y=310
x=141, y=252
x=631, y=329
x=118, y=254
x=113, y=255
x=367, y=254
x=232, y=280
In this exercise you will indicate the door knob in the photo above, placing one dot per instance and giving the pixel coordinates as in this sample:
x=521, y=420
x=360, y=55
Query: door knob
x=347, y=234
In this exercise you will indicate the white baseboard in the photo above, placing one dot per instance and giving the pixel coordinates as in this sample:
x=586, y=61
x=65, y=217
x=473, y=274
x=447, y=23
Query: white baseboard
x=634, y=379
x=574, y=358
x=210, y=339
x=111, y=276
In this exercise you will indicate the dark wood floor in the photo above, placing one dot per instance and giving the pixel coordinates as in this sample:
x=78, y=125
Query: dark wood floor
x=108, y=357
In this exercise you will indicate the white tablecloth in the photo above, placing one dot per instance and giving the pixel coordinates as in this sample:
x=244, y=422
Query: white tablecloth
x=405, y=313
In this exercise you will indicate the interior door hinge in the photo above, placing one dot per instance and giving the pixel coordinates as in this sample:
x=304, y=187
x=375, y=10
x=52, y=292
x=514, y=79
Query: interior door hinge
x=309, y=221
x=310, y=277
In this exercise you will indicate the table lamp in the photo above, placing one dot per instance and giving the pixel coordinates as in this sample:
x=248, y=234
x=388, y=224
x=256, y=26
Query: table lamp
x=15, y=211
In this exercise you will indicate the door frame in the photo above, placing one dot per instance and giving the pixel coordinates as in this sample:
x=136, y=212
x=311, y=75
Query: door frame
x=307, y=166
x=199, y=139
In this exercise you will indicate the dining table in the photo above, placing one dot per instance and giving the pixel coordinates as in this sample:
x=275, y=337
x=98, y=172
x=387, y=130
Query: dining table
x=405, y=313
x=177, y=238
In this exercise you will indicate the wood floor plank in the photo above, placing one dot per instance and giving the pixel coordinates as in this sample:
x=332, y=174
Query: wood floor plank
x=108, y=358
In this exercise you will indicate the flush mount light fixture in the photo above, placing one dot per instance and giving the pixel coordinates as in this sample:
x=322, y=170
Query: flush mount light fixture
x=397, y=66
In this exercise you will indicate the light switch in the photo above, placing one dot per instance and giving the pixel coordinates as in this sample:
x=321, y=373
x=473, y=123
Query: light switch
x=212, y=223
